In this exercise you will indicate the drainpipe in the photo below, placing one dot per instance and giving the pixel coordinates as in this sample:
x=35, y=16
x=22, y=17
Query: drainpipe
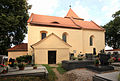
x=32, y=55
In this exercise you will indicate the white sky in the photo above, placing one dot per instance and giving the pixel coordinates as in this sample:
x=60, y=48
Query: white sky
x=100, y=11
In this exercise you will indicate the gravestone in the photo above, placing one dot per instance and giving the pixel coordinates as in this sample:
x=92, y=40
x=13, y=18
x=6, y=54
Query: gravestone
x=112, y=76
x=104, y=66
x=69, y=65
x=104, y=59
x=89, y=56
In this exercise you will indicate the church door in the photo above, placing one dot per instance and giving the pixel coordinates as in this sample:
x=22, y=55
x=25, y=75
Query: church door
x=51, y=57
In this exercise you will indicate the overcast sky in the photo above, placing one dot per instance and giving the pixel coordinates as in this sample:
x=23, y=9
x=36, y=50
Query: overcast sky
x=100, y=11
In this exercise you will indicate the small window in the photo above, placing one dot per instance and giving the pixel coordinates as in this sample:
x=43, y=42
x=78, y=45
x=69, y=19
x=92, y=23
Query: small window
x=43, y=35
x=64, y=37
x=91, y=41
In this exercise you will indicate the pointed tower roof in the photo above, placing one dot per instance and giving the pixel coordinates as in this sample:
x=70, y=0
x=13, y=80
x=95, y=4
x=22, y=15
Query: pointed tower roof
x=73, y=15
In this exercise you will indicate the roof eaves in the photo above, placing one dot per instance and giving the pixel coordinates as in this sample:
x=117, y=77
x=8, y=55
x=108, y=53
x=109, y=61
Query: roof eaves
x=92, y=29
x=16, y=50
x=39, y=24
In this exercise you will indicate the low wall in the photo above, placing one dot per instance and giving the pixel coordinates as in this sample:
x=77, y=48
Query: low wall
x=69, y=65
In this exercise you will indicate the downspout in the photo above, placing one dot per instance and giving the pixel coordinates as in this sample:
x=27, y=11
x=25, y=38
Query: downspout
x=33, y=58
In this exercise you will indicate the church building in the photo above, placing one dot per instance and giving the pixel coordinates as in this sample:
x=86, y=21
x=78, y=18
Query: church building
x=53, y=39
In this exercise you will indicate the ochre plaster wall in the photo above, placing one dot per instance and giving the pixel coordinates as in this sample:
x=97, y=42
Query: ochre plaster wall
x=73, y=38
x=51, y=43
x=15, y=54
x=98, y=41
x=78, y=39
x=41, y=55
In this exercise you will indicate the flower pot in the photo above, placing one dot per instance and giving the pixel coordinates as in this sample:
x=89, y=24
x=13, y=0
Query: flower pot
x=34, y=67
x=22, y=68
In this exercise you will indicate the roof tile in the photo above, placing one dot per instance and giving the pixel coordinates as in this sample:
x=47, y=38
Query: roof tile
x=70, y=21
x=19, y=47
x=72, y=14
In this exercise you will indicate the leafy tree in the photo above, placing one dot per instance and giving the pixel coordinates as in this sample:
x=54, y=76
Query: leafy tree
x=13, y=21
x=113, y=31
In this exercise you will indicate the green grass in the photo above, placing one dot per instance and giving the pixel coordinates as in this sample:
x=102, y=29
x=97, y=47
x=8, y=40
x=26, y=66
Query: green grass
x=51, y=73
x=60, y=69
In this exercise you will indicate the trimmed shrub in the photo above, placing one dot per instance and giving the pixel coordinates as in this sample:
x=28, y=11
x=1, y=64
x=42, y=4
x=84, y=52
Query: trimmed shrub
x=25, y=58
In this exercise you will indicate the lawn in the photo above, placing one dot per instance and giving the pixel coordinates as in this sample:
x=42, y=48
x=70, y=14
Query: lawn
x=60, y=69
x=51, y=74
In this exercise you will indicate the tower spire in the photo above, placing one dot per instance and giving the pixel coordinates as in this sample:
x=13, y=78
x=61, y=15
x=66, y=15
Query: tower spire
x=72, y=14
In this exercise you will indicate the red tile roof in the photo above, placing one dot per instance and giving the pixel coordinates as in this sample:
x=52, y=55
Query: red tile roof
x=72, y=14
x=71, y=20
x=19, y=47
x=113, y=50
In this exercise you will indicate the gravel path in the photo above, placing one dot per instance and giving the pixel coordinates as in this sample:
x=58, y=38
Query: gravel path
x=79, y=75
x=59, y=76
x=74, y=75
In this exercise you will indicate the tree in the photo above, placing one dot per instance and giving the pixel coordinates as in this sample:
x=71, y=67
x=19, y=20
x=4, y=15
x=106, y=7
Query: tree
x=113, y=31
x=13, y=22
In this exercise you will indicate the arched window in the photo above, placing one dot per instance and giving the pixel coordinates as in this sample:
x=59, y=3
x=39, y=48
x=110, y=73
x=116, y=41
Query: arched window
x=64, y=37
x=91, y=40
x=43, y=34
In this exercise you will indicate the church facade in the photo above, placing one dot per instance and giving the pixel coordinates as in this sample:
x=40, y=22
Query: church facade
x=53, y=39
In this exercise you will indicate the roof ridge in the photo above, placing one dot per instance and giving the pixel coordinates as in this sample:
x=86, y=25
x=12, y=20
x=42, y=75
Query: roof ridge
x=75, y=23
x=48, y=15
